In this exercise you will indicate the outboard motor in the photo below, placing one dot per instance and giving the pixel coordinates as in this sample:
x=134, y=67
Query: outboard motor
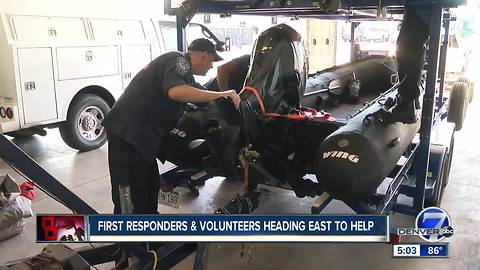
x=186, y=146
x=276, y=80
x=211, y=137
x=206, y=138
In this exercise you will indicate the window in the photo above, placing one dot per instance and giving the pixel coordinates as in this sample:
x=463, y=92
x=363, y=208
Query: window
x=168, y=31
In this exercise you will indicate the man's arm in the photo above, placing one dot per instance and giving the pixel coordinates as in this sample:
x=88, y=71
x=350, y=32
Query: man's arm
x=186, y=93
x=174, y=83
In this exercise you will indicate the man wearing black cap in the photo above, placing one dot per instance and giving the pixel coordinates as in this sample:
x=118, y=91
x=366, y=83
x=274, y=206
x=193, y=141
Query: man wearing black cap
x=141, y=119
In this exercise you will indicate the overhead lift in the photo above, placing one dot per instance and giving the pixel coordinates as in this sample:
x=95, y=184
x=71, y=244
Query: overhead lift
x=421, y=176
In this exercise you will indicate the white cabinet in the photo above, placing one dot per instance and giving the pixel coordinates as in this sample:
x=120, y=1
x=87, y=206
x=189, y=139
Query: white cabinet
x=104, y=30
x=322, y=36
x=134, y=58
x=68, y=29
x=124, y=31
x=37, y=83
x=35, y=29
x=131, y=31
x=31, y=28
x=88, y=61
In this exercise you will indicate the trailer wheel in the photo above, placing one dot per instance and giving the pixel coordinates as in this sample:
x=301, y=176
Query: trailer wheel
x=448, y=162
x=457, y=106
x=469, y=88
x=436, y=197
x=472, y=91
x=83, y=129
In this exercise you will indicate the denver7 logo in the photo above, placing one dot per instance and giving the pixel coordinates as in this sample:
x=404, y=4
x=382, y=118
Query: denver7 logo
x=434, y=218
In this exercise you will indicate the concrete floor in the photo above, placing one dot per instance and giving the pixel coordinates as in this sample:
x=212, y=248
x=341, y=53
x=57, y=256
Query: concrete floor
x=86, y=174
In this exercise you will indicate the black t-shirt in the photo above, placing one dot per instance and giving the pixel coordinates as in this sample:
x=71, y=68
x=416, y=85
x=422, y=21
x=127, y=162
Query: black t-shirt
x=144, y=114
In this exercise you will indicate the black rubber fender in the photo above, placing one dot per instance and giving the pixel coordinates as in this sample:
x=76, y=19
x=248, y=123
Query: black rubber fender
x=470, y=88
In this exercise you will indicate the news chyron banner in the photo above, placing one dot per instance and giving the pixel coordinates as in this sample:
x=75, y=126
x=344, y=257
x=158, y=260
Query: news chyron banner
x=222, y=228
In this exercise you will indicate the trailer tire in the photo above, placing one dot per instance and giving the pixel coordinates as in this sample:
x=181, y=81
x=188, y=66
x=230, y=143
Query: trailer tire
x=436, y=197
x=83, y=130
x=469, y=89
x=457, y=104
x=448, y=162
x=472, y=91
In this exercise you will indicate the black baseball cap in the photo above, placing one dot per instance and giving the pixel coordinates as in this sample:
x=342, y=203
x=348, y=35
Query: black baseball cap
x=205, y=45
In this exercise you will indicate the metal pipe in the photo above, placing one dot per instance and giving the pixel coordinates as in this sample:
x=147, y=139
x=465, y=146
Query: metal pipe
x=421, y=161
x=443, y=59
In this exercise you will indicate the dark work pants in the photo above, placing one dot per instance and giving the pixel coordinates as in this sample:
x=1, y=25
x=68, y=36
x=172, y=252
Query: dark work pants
x=128, y=166
x=411, y=41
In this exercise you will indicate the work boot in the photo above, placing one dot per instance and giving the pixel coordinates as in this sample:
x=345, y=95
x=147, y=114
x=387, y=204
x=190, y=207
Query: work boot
x=404, y=112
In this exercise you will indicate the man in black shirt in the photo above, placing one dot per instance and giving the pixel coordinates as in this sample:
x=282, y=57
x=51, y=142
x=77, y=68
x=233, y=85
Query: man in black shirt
x=140, y=121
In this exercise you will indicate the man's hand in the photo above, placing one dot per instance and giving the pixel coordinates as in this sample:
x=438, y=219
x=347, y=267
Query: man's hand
x=186, y=93
x=232, y=95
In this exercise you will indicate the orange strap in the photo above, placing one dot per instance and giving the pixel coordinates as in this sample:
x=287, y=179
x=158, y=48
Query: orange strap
x=299, y=116
x=255, y=92
x=289, y=116
x=303, y=115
